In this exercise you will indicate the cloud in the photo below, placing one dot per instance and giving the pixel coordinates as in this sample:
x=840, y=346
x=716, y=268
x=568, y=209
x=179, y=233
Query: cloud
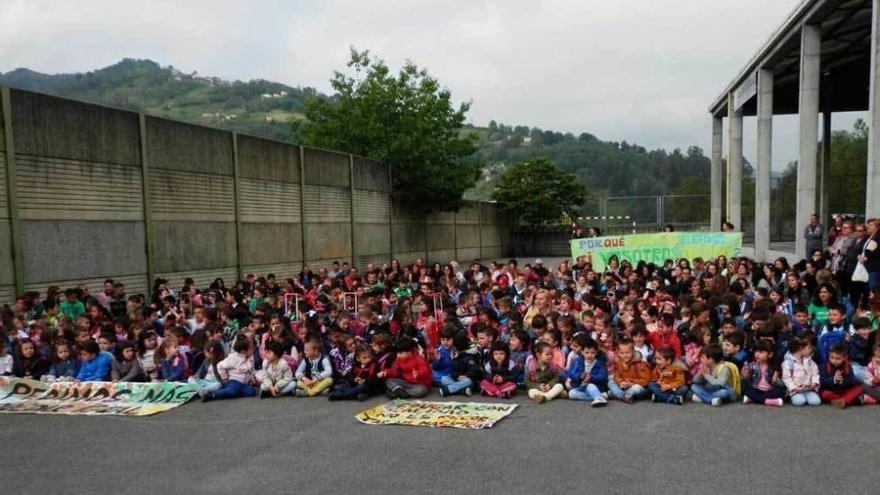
x=642, y=71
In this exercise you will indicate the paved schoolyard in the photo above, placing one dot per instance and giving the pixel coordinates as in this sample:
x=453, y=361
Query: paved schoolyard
x=308, y=446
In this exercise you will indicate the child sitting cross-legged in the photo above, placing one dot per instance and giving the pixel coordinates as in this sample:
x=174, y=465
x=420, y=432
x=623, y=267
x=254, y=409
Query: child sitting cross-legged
x=276, y=379
x=409, y=376
x=631, y=375
x=587, y=377
x=362, y=382
x=871, y=383
x=668, y=379
x=441, y=362
x=839, y=385
x=236, y=372
x=465, y=369
x=500, y=373
x=314, y=374
x=542, y=375
x=761, y=379
x=714, y=383
x=800, y=373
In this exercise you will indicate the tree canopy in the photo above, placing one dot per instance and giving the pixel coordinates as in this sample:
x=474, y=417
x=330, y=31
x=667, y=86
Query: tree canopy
x=535, y=191
x=407, y=120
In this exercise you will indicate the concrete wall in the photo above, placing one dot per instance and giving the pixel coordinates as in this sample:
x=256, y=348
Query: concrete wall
x=105, y=193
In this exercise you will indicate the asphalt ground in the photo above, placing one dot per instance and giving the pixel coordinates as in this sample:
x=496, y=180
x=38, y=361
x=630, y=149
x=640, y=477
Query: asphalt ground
x=309, y=446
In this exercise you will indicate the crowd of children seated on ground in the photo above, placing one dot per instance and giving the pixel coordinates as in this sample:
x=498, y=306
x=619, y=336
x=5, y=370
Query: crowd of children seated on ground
x=707, y=331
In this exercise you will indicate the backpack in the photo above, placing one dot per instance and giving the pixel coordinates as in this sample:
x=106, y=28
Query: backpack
x=734, y=377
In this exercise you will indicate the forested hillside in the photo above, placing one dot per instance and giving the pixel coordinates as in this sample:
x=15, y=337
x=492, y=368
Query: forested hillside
x=266, y=108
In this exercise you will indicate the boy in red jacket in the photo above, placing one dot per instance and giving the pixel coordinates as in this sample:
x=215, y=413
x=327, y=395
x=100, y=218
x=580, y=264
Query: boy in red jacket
x=665, y=336
x=410, y=376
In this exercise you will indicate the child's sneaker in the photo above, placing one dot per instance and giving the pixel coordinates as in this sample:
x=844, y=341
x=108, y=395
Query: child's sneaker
x=868, y=400
x=506, y=395
x=654, y=398
x=838, y=404
x=538, y=399
x=716, y=401
x=679, y=400
x=598, y=402
x=563, y=395
x=605, y=395
x=300, y=393
x=363, y=396
x=208, y=397
x=444, y=391
x=773, y=402
x=627, y=399
x=746, y=400
x=326, y=392
x=696, y=399
x=468, y=391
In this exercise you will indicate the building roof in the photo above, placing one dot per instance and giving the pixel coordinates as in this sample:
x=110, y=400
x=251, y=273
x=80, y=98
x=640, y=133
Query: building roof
x=846, y=37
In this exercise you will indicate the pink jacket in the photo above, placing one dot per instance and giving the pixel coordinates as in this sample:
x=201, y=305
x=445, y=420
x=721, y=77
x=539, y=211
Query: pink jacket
x=799, y=372
x=237, y=367
x=872, y=374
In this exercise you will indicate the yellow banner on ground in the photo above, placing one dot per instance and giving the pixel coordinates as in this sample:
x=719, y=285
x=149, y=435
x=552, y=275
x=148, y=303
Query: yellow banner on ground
x=471, y=415
x=656, y=248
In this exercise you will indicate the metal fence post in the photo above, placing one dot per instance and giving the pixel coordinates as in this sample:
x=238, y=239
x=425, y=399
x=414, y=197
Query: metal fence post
x=12, y=193
x=236, y=187
x=302, y=201
x=351, y=204
x=145, y=191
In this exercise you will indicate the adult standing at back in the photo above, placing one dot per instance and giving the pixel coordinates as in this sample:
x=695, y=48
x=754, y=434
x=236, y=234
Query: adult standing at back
x=869, y=254
x=836, y=230
x=813, y=234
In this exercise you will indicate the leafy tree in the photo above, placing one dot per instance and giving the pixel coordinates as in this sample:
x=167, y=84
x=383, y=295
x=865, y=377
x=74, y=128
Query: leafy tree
x=535, y=191
x=406, y=120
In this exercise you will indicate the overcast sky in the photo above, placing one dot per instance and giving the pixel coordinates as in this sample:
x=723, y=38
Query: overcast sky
x=644, y=71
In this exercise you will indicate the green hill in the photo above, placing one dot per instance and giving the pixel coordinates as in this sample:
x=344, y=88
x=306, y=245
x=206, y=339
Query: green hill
x=257, y=107
x=266, y=108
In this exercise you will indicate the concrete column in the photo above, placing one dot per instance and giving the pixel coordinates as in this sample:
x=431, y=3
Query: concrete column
x=872, y=200
x=762, y=176
x=716, y=177
x=734, y=164
x=825, y=171
x=808, y=109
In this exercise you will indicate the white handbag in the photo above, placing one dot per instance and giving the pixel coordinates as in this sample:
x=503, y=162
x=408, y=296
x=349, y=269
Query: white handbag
x=860, y=274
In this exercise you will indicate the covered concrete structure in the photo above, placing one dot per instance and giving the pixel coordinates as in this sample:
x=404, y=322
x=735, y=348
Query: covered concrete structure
x=824, y=58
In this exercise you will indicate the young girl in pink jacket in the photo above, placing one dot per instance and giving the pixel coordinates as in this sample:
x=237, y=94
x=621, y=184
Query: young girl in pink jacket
x=872, y=378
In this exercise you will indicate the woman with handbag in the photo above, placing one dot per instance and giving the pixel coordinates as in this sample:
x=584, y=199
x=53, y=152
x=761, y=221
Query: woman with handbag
x=868, y=268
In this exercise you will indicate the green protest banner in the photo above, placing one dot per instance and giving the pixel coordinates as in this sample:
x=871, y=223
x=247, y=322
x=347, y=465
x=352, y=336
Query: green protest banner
x=91, y=398
x=656, y=248
x=471, y=415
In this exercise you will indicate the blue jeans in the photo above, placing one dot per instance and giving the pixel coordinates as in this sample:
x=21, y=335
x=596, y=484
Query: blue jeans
x=205, y=386
x=232, y=389
x=346, y=390
x=670, y=396
x=438, y=377
x=634, y=392
x=286, y=390
x=806, y=398
x=585, y=392
x=708, y=392
x=454, y=386
x=859, y=372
